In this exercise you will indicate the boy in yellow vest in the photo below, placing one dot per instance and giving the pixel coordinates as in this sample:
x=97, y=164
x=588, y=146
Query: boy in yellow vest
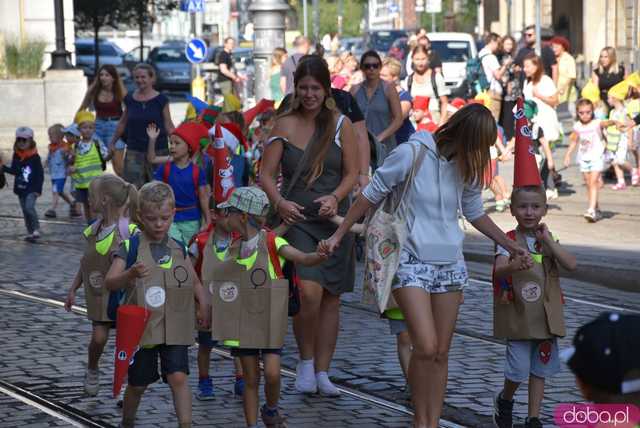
x=527, y=296
x=249, y=298
x=157, y=274
x=90, y=157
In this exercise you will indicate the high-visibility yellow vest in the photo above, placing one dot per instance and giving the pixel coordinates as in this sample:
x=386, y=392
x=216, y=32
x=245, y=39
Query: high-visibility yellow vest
x=88, y=166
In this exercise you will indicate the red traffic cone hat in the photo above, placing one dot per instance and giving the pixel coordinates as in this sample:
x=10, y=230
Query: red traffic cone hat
x=262, y=106
x=525, y=167
x=223, y=183
x=131, y=321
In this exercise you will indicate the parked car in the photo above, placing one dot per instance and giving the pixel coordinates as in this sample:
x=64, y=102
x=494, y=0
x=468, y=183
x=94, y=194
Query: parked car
x=108, y=53
x=381, y=40
x=454, y=49
x=172, y=67
x=355, y=45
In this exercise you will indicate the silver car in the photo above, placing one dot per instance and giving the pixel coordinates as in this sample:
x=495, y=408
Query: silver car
x=108, y=53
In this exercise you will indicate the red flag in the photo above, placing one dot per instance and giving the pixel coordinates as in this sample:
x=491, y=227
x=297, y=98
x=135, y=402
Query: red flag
x=131, y=321
x=222, y=169
x=525, y=167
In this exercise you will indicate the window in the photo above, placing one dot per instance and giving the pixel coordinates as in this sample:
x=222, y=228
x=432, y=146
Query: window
x=452, y=51
x=169, y=55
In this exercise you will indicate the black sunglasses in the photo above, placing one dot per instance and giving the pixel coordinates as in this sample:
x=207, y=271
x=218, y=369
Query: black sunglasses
x=371, y=66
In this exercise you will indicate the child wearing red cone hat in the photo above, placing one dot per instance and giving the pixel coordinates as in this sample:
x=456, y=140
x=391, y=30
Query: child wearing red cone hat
x=185, y=177
x=528, y=302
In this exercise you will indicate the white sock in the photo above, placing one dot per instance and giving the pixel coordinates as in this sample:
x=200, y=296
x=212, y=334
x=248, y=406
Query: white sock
x=325, y=385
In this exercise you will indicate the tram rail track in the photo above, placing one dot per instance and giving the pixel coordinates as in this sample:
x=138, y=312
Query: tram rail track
x=63, y=412
x=285, y=371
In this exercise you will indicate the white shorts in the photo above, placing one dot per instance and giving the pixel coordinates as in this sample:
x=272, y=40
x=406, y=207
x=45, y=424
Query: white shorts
x=432, y=278
x=620, y=155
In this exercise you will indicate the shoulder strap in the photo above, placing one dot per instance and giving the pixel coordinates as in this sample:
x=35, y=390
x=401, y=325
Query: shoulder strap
x=132, y=254
x=103, y=164
x=336, y=137
x=434, y=84
x=409, y=83
x=166, y=172
x=195, y=172
x=415, y=167
x=273, y=253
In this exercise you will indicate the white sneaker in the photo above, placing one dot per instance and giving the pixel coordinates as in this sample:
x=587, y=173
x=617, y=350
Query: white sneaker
x=326, y=388
x=305, y=378
x=92, y=382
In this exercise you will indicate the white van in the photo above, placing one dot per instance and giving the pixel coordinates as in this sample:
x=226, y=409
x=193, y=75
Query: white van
x=454, y=50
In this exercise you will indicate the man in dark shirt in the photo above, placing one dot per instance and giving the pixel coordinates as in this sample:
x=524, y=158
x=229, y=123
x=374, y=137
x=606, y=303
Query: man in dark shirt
x=303, y=46
x=546, y=53
x=348, y=106
x=224, y=60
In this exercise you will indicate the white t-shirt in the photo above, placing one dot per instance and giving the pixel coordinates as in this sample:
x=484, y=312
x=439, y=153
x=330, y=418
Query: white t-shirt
x=590, y=140
x=490, y=64
x=425, y=89
x=546, y=117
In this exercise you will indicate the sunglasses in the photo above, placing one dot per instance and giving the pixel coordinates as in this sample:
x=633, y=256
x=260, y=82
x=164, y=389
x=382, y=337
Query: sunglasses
x=371, y=66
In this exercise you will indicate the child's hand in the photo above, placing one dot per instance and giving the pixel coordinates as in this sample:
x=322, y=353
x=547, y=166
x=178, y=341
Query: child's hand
x=504, y=157
x=521, y=259
x=70, y=301
x=504, y=297
x=321, y=251
x=203, y=315
x=138, y=270
x=543, y=234
x=153, y=132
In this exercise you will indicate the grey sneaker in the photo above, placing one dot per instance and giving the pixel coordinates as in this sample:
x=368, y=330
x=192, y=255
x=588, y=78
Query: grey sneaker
x=591, y=216
x=502, y=412
x=92, y=382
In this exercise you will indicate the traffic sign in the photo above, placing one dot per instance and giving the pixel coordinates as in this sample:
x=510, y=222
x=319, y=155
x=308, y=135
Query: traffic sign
x=419, y=5
x=196, y=51
x=192, y=6
x=433, y=6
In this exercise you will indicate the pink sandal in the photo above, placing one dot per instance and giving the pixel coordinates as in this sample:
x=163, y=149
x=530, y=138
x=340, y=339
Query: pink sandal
x=619, y=186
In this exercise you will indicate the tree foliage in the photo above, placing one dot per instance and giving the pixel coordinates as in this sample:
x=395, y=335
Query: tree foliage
x=353, y=13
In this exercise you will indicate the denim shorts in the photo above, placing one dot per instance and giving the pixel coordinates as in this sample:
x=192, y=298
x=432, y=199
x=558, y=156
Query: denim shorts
x=397, y=326
x=205, y=339
x=595, y=165
x=105, y=130
x=57, y=185
x=143, y=370
x=432, y=278
x=537, y=357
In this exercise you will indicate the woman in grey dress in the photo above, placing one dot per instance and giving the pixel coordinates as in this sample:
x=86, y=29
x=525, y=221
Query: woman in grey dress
x=315, y=148
x=379, y=103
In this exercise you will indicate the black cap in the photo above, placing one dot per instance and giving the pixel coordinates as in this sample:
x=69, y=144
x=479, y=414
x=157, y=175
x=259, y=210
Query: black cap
x=606, y=353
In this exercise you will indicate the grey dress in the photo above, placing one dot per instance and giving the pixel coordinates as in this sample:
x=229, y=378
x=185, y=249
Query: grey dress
x=377, y=114
x=337, y=274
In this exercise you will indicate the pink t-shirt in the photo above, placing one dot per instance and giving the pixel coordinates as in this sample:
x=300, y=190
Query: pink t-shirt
x=590, y=140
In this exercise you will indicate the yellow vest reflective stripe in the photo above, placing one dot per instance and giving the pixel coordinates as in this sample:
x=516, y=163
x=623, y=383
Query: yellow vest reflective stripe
x=88, y=166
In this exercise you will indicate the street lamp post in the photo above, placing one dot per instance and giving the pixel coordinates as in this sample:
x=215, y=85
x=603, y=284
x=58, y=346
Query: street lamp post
x=59, y=57
x=269, y=25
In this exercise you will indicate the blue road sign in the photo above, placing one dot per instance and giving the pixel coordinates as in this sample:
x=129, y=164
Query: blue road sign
x=196, y=51
x=192, y=6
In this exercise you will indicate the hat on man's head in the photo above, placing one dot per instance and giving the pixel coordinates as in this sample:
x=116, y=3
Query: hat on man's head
x=84, y=116
x=251, y=200
x=606, y=353
x=24, y=132
x=192, y=133
x=72, y=129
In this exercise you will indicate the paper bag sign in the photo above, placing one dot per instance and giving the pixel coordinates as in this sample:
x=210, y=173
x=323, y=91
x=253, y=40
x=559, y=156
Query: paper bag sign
x=254, y=316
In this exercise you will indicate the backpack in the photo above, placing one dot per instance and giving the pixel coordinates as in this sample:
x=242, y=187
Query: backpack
x=476, y=79
x=195, y=174
x=288, y=272
x=103, y=163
